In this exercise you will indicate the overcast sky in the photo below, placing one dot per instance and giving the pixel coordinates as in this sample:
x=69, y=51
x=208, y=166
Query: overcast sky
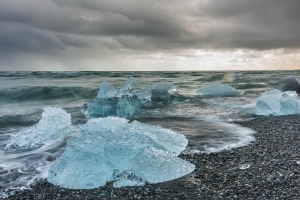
x=149, y=34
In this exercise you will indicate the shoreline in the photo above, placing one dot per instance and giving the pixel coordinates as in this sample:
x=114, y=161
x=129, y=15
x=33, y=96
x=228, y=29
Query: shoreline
x=268, y=168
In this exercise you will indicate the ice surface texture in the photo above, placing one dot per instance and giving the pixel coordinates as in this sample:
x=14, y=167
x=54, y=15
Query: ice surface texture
x=289, y=83
x=55, y=123
x=111, y=149
x=160, y=92
x=275, y=102
x=110, y=102
x=217, y=90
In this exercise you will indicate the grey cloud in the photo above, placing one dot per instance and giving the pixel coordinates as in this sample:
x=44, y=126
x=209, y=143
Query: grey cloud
x=58, y=27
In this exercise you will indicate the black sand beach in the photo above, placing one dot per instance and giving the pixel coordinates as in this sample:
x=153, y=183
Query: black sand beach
x=271, y=162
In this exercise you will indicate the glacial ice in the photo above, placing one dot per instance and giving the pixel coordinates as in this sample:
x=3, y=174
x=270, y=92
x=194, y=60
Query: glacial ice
x=55, y=123
x=110, y=102
x=111, y=149
x=106, y=91
x=289, y=83
x=160, y=92
x=218, y=90
x=275, y=102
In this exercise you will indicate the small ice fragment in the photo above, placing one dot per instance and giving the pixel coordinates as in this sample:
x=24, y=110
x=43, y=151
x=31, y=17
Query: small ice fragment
x=275, y=102
x=244, y=166
x=217, y=90
x=289, y=83
x=160, y=92
x=55, y=123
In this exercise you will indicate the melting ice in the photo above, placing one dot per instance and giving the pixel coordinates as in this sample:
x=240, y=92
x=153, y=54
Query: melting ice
x=55, y=123
x=289, y=83
x=217, y=90
x=275, y=102
x=110, y=102
x=160, y=92
x=111, y=149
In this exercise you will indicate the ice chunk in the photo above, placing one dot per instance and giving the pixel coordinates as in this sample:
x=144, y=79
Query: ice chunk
x=55, y=123
x=110, y=102
x=275, y=102
x=111, y=149
x=217, y=90
x=126, y=89
x=124, y=106
x=106, y=91
x=157, y=92
x=289, y=83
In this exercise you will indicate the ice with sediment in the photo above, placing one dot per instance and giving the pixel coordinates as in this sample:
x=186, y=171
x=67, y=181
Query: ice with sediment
x=289, y=83
x=217, y=90
x=111, y=149
x=275, y=102
x=110, y=102
x=156, y=92
x=55, y=123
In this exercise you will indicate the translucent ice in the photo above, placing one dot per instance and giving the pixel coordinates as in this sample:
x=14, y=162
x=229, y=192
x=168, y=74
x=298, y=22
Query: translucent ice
x=111, y=149
x=217, y=90
x=106, y=91
x=55, y=123
x=289, y=83
x=157, y=92
x=110, y=102
x=275, y=102
x=126, y=89
x=124, y=106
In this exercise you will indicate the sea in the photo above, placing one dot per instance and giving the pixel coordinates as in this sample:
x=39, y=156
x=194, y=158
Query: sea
x=209, y=123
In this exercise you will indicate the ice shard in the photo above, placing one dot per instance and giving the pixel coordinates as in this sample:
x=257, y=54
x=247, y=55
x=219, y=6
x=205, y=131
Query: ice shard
x=55, y=123
x=218, y=90
x=275, y=102
x=110, y=102
x=111, y=149
x=289, y=83
x=160, y=92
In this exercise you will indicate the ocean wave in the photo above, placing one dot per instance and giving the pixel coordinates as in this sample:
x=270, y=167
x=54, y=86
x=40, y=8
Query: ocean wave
x=19, y=94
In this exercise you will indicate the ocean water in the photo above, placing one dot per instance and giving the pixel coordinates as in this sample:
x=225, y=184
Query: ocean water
x=207, y=122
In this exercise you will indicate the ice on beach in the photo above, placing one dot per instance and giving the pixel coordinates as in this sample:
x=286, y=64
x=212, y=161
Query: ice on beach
x=111, y=149
x=160, y=92
x=289, y=83
x=275, y=102
x=106, y=91
x=218, y=90
x=124, y=106
x=55, y=123
x=110, y=102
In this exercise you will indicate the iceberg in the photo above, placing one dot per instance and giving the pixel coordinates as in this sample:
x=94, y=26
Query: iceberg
x=110, y=102
x=274, y=102
x=289, y=83
x=111, y=149
x=160, y=92
x=55, y=123
x=218, y=90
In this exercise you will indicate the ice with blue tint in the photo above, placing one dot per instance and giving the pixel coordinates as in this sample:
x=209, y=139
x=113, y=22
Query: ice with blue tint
x=106, y=91
x=110, y=102
x=289, y=83
x=111, y=149
x=218, y=90
x=156, y=92
x=55, y=123
x=274, y=102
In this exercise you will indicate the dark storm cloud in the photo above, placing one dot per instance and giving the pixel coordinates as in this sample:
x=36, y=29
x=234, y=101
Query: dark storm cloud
x=52, y=27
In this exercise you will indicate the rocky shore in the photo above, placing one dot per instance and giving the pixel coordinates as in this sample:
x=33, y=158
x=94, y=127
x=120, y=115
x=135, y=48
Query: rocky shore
x=268, y=168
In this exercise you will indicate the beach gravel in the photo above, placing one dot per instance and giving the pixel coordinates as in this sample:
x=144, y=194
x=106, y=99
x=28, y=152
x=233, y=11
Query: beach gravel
x=268, y=168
